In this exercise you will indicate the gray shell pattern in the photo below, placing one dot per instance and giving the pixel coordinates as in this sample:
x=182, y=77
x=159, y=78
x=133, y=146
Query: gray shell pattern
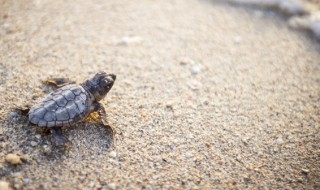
x=61, y=107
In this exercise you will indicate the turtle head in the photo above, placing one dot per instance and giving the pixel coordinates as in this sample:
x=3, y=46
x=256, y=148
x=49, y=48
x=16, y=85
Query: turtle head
x=100, y=85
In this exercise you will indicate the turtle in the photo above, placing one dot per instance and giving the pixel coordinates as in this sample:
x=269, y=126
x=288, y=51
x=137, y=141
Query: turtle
x=70, y=104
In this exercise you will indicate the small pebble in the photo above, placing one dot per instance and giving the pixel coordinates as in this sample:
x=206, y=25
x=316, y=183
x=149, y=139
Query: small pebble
x=14, y=114
x=237, y=40
x=169, y=104
x=91, y=185
x=127, y=40
x=190, y=121
x=143, y=114
x=300, y=180
x=186, y=61
x=4, y=185
x=26, y=158
x=17, y=184
x=16, y=174
x=157, y=158
x=55, y=184
x=155, y=177
x=83, y=172
x=16, y=181
x=279, y=141
x=26, y=181
x=114, y=162
x=113, y=154
x=196, y=70
x=190, y=136
x=194, y=85
x=112, y=186
x=6, y=25
x=33, y=143
x=13, y=159
x=46, y=149
x=188, y=154
x=305, y=171
x=43, y=186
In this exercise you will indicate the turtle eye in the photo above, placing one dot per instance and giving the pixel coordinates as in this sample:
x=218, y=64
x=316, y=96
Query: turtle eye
x=103, y=82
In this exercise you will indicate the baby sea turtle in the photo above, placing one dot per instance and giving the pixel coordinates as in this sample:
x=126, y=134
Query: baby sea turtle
x=70, y=104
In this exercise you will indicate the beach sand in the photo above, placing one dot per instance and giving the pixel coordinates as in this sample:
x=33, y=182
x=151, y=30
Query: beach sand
x=208, y=95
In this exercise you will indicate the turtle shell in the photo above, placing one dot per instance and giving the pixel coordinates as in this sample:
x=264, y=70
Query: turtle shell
x=61, y=107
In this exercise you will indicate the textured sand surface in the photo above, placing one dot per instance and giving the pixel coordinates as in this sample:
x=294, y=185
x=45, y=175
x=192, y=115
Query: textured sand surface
x=208, y=96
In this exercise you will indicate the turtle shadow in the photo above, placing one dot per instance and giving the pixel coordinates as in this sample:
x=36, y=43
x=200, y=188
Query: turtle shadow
x=35, y=141
x=91, y=136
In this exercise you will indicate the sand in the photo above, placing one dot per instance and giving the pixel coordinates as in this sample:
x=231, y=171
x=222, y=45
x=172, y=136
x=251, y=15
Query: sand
x=208, y=95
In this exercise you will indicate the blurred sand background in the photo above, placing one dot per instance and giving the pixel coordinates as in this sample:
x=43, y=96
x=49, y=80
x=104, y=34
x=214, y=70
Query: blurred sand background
x=209, y=95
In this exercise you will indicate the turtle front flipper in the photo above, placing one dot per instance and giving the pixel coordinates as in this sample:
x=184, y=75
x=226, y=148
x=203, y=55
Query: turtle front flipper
x=102, y=114
x=57, y=138
x=98, y=115
x=58, y=82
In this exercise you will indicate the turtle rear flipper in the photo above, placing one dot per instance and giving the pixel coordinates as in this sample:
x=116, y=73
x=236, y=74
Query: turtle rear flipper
x=58, y=82
x=23, y=109
x=57, y=139
x=55, y=82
